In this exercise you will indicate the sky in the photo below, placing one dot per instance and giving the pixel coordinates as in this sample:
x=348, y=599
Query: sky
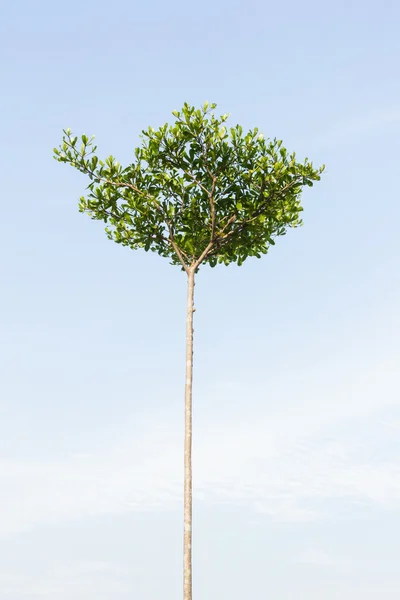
x=296, y=380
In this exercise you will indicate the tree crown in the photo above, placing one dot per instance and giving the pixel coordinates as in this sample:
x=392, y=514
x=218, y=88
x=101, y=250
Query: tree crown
x=197, y=191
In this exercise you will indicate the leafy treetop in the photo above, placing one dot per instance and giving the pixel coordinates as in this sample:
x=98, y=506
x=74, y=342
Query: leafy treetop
x=196, y=192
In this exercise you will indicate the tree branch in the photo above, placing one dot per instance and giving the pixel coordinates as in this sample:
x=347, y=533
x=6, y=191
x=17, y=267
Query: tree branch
x=204, y=254
x=124, y=184
x=212, y=192
x=188, y=173
x=221, y=240
x=212, y=210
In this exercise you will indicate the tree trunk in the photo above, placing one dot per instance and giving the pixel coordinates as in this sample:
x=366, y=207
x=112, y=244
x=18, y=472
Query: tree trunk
x=187, y=498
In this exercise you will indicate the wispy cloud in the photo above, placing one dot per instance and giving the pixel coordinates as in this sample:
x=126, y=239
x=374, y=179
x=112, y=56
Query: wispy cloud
x=327, y=438
x=315, y=556
x=83, y=580
x=288, y=474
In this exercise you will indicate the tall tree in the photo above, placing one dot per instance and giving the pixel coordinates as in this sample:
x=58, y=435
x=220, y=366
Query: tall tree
x=197, y=193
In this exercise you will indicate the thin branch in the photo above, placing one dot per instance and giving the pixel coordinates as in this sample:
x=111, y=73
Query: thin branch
x=188, y=173
x=176, y=248
x=204, y=254
x=212, y=210
x=221, y=240
x=119, y=184
x=212, y=192
x=156, y=236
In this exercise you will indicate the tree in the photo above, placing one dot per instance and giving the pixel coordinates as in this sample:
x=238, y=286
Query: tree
x=197, y=193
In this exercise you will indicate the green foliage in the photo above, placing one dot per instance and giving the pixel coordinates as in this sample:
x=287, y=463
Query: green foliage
x=197, y=191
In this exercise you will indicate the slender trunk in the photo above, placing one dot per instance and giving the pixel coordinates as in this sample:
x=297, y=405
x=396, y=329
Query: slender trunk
x=187, y=498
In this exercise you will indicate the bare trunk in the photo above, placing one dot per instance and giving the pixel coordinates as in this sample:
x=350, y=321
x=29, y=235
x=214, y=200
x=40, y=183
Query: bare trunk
x=187, y=498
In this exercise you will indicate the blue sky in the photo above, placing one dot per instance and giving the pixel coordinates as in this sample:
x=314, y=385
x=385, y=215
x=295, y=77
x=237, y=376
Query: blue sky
x=297, y=415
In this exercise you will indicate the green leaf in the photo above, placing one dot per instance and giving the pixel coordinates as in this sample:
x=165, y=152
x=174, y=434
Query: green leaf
x=189, y=182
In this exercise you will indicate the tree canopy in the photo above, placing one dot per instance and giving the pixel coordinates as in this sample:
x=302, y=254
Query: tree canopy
x=197, y=192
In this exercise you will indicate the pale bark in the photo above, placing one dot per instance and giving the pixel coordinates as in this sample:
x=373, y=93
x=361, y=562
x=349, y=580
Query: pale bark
x=187, y=535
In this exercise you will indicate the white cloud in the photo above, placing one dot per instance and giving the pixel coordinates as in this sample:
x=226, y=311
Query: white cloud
x=80, y=580
x=291, y=465
x=315, y=556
